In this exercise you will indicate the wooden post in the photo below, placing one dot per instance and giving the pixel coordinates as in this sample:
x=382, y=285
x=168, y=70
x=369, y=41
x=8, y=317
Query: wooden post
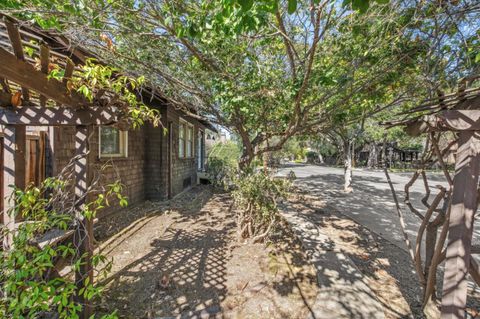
x=84, y=234
x=50, y=167
x=8, y=181
x=20, y=156
x=14, y=145
x=464, y=204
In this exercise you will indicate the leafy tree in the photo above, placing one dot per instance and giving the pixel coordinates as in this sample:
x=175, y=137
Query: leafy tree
x=269, y=69
x=265, y=69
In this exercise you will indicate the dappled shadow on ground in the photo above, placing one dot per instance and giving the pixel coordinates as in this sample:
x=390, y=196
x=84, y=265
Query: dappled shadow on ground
x=273, y=281
x=373, y=239
x=183, y=274
x=289, y=254
x=344, y=291
x=171, y=263
x=371, y=203
x=185, y=261
x=351, y=292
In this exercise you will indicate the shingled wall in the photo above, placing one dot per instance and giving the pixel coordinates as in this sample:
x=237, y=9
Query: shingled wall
x=144, y=172
x=128, y=170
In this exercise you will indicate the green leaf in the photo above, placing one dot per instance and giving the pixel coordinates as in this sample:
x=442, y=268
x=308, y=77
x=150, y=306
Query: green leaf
x=361, y=5
x=292, y=6
x=477, y=58
x=382, y=1
x=246, y=4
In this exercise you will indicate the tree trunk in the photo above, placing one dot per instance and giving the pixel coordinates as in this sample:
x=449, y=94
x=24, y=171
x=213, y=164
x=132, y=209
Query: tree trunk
x=320, y=158
x=246, y=159
x=372, y=161
x=348, y=166
x=266, y=161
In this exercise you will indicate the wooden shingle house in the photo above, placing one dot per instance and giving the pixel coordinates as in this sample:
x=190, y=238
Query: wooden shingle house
x=153, y=163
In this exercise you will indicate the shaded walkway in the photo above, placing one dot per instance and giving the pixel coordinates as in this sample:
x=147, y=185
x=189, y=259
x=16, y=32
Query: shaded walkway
x=344, y=292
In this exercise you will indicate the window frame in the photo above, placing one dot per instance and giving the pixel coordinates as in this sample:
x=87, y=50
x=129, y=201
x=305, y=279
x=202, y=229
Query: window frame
x=200, y=151
x=123, y=144
x=181, y=146
x=190, y=142
x=187, y=139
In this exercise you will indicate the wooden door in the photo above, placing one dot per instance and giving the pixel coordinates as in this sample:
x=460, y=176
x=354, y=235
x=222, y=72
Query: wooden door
x=34, y=164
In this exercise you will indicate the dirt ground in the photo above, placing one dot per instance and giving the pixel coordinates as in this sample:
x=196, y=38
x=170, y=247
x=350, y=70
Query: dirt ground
x=387, y=268
x=181, y=259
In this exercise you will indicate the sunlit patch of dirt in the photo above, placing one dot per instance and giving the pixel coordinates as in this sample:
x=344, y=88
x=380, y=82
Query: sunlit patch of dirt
x=276, y=282
x=386, y=267
x=182, y=258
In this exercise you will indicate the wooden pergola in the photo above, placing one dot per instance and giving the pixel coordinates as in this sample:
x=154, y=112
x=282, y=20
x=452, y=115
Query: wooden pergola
x=458, y=113
x=28, y=97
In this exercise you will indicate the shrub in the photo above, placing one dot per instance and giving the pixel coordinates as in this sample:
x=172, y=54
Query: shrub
x=255, y=192
x=256, y=195
x=31, y=285
x=222, y=163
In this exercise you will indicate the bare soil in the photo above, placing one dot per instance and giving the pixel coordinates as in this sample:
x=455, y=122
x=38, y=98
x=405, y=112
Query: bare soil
x=182, y=259
x=387, y=268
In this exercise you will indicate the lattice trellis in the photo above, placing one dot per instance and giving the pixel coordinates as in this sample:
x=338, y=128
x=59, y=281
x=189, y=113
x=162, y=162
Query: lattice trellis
x=28, y=96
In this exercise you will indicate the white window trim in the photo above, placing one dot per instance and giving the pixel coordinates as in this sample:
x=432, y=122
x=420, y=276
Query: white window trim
x=181, y=123
x=123, y=145
x=199, y=149
x=185, y=138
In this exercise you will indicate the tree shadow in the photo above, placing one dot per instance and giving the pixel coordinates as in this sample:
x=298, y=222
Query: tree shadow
x=371, y=205
x=343, y=290
x=183, y=273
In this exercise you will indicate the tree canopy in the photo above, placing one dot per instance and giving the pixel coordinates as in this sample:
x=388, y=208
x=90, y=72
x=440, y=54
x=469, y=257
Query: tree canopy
x=268, y=69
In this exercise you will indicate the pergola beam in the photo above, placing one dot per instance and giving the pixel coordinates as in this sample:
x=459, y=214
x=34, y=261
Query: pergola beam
x=44, y=62
x=27, y=76
x=16, y=41
x=449, y=120
x=58, y=116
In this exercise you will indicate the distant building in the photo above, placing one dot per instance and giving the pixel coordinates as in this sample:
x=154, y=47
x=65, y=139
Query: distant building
x=212, y=137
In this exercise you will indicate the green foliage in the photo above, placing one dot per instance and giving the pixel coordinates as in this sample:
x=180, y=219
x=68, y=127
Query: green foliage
x=256, y=196
x=224, y=57
x=294, y=149
x=222, y=162
x=96, y=78
x=230, y=59
x=29, y=287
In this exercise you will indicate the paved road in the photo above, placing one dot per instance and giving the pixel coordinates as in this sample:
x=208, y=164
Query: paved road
x=371, y=203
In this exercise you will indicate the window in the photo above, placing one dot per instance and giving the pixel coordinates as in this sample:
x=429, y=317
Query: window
x=200, y=151
x=113, y=142
x=181, y=140
x=185, y=140
x=190, y=141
